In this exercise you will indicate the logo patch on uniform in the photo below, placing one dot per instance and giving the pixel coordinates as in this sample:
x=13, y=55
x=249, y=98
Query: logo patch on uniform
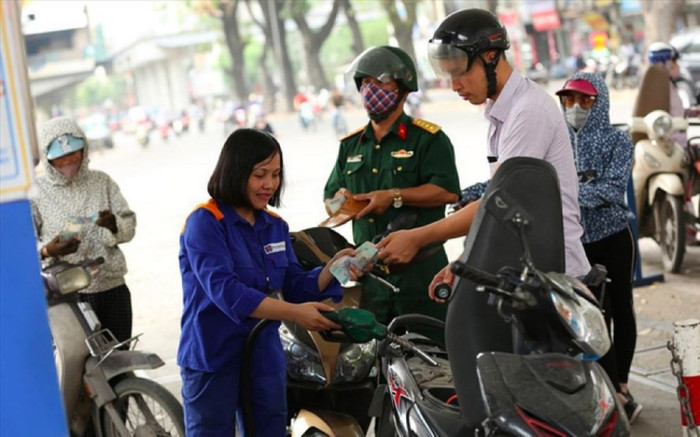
x=355, y=158
x=403, y=153
x=275, y=247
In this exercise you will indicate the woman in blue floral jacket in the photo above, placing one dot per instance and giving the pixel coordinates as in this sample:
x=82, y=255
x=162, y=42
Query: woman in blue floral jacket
x=603, y=156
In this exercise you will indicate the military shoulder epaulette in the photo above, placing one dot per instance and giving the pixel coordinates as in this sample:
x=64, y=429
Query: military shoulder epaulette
x=353, y=133
x=426, y=125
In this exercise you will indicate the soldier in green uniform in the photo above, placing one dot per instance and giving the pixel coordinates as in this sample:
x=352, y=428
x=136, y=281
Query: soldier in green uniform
x=398, y=163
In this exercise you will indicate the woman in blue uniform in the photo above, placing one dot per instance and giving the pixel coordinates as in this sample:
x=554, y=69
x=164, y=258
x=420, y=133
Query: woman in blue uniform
x=233, y=254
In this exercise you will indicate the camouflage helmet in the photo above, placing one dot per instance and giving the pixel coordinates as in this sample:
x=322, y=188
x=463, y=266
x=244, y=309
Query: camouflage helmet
x=385, y=63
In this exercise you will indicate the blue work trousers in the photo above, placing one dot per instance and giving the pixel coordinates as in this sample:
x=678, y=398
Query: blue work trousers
x=212, y=402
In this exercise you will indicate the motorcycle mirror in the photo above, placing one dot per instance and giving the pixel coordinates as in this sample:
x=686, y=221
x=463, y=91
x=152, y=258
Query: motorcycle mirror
x=405, y=220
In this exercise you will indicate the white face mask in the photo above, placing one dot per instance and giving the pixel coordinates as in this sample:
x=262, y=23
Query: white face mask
x=577, y=116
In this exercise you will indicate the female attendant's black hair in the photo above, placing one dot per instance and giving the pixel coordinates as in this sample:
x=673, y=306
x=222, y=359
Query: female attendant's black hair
x=243, y=149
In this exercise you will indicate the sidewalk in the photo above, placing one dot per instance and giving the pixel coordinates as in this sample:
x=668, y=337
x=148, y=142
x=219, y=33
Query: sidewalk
x=658, y=306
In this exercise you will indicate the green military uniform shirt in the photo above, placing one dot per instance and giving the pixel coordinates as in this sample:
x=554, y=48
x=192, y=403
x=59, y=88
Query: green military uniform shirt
x=413, y=153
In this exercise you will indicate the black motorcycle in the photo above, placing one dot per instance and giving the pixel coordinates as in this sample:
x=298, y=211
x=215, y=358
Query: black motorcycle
x=521, y=343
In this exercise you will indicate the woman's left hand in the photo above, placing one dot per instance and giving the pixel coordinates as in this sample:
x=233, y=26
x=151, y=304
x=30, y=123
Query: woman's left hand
x=355, y=273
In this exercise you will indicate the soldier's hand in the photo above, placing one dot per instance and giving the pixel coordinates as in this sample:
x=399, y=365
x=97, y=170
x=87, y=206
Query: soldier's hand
x=56, y=247
x=379, y=202
x=107, y=220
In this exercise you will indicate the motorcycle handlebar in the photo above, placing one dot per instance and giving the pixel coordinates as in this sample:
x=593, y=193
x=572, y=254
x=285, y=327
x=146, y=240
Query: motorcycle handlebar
x=476, y=275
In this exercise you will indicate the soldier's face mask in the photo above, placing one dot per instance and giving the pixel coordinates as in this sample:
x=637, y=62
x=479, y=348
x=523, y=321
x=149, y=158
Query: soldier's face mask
x=378, y=101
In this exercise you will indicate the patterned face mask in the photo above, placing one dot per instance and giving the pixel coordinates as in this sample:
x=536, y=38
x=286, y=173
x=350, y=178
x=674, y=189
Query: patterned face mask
x=378, y=102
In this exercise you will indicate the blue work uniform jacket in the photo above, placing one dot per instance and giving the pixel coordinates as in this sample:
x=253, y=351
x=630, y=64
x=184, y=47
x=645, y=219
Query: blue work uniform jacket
x=228, y=267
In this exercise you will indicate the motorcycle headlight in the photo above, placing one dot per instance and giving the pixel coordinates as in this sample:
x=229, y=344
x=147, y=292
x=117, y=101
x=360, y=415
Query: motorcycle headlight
x=583, y=320
x=62, y=279
x=355, y=362
x=303, y=363
x=662, y=126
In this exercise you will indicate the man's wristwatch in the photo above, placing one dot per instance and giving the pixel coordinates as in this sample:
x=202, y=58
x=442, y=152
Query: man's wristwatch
x=398, y=201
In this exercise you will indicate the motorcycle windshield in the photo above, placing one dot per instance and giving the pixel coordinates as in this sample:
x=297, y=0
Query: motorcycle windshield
x=473, y=325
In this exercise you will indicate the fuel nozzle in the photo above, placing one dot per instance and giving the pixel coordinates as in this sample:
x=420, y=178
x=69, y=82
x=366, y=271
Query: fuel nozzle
x=356, y=326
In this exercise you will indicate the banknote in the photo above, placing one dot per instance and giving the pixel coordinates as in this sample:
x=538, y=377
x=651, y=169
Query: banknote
x=73, y=225
x=365, y=254
x=340, y=269
x=336, y=203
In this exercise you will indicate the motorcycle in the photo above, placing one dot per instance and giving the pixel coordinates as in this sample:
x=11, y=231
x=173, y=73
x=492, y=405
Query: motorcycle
x=143, y=133
x=665, y=177
x=329, y=384
x=625, y=74
x=490, y=381
x=99, y=389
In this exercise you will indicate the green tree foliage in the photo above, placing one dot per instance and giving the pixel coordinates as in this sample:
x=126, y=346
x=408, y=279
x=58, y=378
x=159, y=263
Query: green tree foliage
x=95, y=91
x=337, y=54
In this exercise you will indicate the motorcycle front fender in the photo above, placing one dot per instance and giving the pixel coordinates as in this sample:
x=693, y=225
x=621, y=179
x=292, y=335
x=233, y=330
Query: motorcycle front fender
x=98, y=374
x=331, y=423
x=670, y=183
x=119, y=362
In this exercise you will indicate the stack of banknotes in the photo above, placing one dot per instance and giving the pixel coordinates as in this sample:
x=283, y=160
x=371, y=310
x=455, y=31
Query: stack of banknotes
x=365, y=256
x=73, y=226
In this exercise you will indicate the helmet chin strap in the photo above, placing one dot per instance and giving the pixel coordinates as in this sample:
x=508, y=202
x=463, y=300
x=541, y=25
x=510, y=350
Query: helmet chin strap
x=490, y=70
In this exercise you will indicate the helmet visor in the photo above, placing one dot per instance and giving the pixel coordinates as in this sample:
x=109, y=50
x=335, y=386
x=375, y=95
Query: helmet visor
x=448, y=61
x=378, y=63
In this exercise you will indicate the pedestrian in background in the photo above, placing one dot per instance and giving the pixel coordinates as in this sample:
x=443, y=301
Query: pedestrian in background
x=234, y=254
x=399, y=164
x=603, y=156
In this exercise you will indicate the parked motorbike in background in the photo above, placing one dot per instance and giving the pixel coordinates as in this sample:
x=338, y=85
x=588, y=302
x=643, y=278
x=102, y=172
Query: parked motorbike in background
x=143, y=133
x=99, y=388
x=665, y=176
x=625, y=74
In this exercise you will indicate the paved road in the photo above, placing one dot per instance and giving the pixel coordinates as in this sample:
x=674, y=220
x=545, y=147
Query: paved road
x=164, y=181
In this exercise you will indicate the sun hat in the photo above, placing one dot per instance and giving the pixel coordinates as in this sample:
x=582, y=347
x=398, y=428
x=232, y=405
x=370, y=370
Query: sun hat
x=64, y=145
x=578, y=85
